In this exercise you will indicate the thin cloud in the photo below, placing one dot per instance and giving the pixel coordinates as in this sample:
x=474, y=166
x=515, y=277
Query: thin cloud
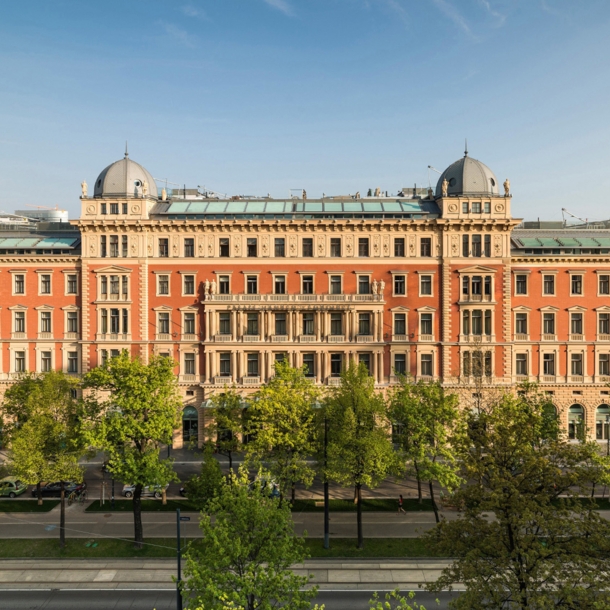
x=454, y=15
x=500, y=19
x=398, y=9
x=280, y=5
x=192, y=11
x=179, y=35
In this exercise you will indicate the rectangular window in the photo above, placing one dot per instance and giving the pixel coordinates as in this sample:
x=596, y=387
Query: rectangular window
x=604, y=324
x=466, y=364
x=45, y=321
x=163, y=284
x=253, y=365
x=45, y=284
x=103, y=208
x=104, y=285
x=103, y=252
x=465, y=246
x=427, y=369
x=548, y=364
x=19, y=284
x=464, y=207
x=335, y=247
x=364, y=284
x=399, y=246
x=163, y=247
x=308, y=247
x=124, y=246
x=521, y=323
x=114, y=246
x=114, y=208
x=604, y=364
x=189, y=284
x=308, y=323
x=548, y=323
x=336, y=365
x=466, y=322
x=125, y=314
x=72, y=362
x=252, y=324
x=189, y=364
x=425, y=246
x=280, y=324
x=307, y=283
x=366, y=360
x=487, y=207
x=189, y=247
x=400, y=287
x=477, y=321
x=309, y=365
x=488, y=322
x=124, y=286
x=20, y=321
x=114, y=321
x=252, y=284
x=164, y=323
x=604, y=284
x=521, y=364
x=335, y=284
x=576, y=324
x=280, y=247
x=104, y=321
x=400, y=324
x=279, y=284
x=104, y=356
x=548, y=285
x=521, y=284
x=425, y=285
x=251, y=247
x=224, y=319
x=476, y=245
x=223, y=284
x=576, y=364
x=124, y=206
x=364, y=324
x=488, y=285
x=20, y=362
x=114, y=284
x=425, y=324
x=576, y=284
x=400, y=364
x=189, y=323
x=487, y=245
x=45, y=361
x=225, y=364
x=363, y=246
x=476, y=207
x=336, y=324
x=114, y=353
x=224, y=247
x=476, y=284
x=72, y=322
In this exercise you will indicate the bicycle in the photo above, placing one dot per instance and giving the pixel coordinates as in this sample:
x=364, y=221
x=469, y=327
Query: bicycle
x=72, y=498
x=77, y=497
x=82, y=497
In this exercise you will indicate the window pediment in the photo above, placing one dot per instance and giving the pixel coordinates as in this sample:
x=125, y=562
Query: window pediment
x=113, y=269
x=477, y=269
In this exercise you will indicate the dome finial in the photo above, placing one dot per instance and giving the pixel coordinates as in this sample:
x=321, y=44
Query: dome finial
x=465, y=147
x=126, y=151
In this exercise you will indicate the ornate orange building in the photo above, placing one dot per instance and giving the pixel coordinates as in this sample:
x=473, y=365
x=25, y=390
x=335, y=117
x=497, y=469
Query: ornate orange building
x=437, y=284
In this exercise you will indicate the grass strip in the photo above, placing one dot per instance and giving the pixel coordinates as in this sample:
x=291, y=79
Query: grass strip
x=124, y=506
x=27, y=506
x=368, y=505
x=373, y=547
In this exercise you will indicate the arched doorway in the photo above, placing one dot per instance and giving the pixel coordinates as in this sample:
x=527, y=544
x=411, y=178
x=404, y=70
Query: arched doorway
x=602, y=422
x=576, y=422
x=190, y=424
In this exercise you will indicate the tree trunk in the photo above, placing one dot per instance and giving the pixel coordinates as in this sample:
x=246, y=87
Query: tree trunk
x=62, y=517
x=359, y=515
x=420, y=497
x=164, y=497
x=434, y=506
x=294, y=491
x=230, y=456
x=137, y=516
x=39, y=493
x=593, y=490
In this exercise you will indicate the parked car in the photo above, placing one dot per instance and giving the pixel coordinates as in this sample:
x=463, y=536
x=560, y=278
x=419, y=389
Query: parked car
x=12, y=487
x=53, y=490
x=155, y=491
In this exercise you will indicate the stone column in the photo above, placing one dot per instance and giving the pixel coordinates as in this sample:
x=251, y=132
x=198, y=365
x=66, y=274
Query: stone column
x=318, y=365
x=233, y=371
x=233, y=327
x=318, y=324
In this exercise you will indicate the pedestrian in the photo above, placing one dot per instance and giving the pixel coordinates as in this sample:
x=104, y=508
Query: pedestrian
x=400, y=508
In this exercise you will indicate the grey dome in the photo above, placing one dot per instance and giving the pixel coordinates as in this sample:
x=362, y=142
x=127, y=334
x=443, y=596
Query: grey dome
x=467, y=176
x=124, y=178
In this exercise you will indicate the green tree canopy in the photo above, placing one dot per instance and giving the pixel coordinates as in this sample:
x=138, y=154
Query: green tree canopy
x=281, y=420
x=546, y=545
x=203, y=487
x=360, y=449
x=137, y=408
x=249, y=547
x=227, y=422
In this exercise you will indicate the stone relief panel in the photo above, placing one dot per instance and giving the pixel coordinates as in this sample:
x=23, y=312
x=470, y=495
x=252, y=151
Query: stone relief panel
x=292, y=245
x=211, y=241
x=349, y=245
x=175, y=245
x=237, y=245
x=376, y=245
x=134, y=245
x=320, y=247
x=265, y=245
x=386, y=245
x=455, y=245
x=412, y=241
x=149, y=246
x=498, y=245
x=92, y=245
x=200, y=245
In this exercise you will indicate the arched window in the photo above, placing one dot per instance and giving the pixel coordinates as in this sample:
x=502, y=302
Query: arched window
x=576, y=422
x=602, y=421
x=190, y=424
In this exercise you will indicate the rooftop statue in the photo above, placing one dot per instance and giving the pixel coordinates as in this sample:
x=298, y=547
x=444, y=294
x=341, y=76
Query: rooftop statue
x=163, y=194
x=144, y=188
x=83, y=188
x=507, y=187
x=444, y=187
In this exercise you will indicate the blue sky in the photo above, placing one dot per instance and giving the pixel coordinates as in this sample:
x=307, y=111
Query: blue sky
x=334, y=96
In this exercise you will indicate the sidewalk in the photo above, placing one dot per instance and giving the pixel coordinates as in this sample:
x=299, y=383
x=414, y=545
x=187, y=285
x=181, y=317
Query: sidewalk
x=380, y=575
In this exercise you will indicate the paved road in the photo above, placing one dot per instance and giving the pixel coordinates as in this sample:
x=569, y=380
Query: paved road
x=166, y=600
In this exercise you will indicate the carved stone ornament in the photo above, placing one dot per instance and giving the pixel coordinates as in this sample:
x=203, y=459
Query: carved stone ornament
x=498, y=245
x=386, y=245
x=83, y=188
x=293, y=245
x=175, y=246
x=200, y=247
x=150, y=245
x=92, y=247
x=210, y=249
x=237, y=247
x=444, y=187
x=499, y=207
x=265, y=245
x=320, y=246
x=90, y=209
x=135, y=209
x=376, y=245
x=349, y=245
x=452, y=207
x=412, y=246
x=455, y=246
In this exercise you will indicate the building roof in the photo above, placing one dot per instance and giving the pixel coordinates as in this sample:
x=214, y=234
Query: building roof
x=467, y=176
x=124, y=178
x=561, y=239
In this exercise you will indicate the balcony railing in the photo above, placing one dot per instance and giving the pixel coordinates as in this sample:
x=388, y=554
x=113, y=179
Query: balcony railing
x=318, y=298
x=577, y=337
x=71, y=335
x=251, y=380
x=426, y=337
x=251, y=338
x=307, y=338
x=19, y=335
x=549, y=337
x=334, y=381
x=603, y=337
x=522, y=337
x=223, y=338
x=336, y=338
x=222, y=380
x=400, y=338
x=364, y=338
x=45, y=335
x=164, y=337
x=189, y=337
x=279, y=338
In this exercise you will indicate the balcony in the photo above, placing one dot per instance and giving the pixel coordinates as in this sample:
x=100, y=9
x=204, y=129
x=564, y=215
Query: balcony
x=398, y=338
x=222, y=380
x=164, y=337
x=426, y=337
x=19, y=335
x=251, y=380
x=189, y=378
x=307, y=338
x=252, y=297
x=317, y=298
x=279, y=338
x=522, y=337
x=335, y=297
x=114, y=337
x=113, y=297
x=223, y=338
x=577, y=337
x=603, y=337
x=71, y=335
x=251, y=338
x=548, y=379
x=334, y=381
x=336, y=338
x=189, y=337
x=576, y=379
x=548, y=337
x=306, y=297
x=364, y=338
x=476, y=298
x=45, y=335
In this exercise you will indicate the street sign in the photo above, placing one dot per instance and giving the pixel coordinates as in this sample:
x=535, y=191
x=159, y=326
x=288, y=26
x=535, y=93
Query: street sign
x=185, y=518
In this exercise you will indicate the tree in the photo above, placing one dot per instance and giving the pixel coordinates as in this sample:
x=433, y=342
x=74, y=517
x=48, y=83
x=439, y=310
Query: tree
x=44, y=432
x=424, y=416
x=395, y=601
x=545, y=546
x=137, y=408
x=281, y=420
x=203, y=487
x=227, y=424
x=248, y=550
x=359, y=448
